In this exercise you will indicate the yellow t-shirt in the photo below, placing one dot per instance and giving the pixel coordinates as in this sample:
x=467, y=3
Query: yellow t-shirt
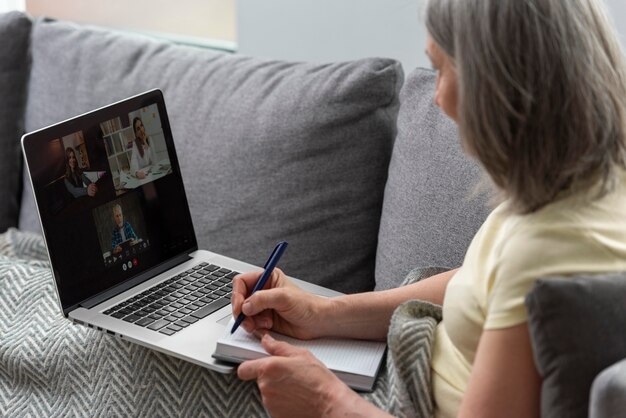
x=506, y=256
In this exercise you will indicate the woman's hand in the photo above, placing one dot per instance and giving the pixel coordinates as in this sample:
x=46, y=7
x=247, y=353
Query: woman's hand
x=282, y=306
x=140, y=175
x=293, y=383
x=92, y=189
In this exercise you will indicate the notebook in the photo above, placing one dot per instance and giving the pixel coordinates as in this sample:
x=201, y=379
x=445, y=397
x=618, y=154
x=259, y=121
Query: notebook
x=124, y=254
x=355, y=362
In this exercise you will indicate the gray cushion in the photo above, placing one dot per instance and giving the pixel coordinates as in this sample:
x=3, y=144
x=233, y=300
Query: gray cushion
x=14, y=61
x=428, y=216
x=269, y=150
x=608, y=392
x=577, y=329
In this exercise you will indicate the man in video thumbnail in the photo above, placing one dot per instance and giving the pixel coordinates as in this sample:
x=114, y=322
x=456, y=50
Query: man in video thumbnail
x=123, y=231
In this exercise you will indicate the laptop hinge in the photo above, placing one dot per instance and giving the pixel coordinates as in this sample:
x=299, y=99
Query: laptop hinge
x=137, y=280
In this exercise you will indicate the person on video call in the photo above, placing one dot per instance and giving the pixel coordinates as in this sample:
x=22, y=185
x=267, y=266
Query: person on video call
x=143, y=154
x=122, y=231
x=75, y=180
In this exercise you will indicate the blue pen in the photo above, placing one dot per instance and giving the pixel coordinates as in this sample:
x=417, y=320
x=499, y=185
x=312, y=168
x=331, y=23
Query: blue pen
x=268, y=269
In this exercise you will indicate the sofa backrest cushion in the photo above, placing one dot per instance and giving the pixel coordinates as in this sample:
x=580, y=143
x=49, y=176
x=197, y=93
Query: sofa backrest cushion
x=430, y=210
x=577, y=327
x=14, y=62
x=268, y=150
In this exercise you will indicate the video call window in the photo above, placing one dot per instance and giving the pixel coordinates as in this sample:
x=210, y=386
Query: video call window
x=121, y=230
x=79, y=179
x=136, y=149
x=72, y=175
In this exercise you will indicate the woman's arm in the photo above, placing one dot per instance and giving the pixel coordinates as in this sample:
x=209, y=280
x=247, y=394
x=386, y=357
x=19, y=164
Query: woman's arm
x=504, y=379
x=285, y=308
x=134, y=160
x=75, y=191
x=367, y=315
x=153, y=156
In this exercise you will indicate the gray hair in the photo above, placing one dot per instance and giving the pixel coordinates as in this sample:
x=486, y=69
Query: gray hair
x=542, y=93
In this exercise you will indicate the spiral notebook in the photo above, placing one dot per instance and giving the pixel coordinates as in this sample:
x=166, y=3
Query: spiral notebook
x=355, y=362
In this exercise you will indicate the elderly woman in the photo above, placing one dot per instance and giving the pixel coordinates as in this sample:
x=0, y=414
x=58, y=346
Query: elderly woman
x=538, y=90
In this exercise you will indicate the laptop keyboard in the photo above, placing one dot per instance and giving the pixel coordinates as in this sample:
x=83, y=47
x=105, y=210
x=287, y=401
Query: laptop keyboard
x=180, y=301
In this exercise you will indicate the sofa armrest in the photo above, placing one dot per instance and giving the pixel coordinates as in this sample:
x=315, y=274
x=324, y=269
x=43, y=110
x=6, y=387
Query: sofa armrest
x=608, y=392
x=577, y=330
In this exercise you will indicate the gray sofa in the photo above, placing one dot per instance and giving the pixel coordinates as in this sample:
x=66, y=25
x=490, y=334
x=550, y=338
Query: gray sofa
x=349, y=162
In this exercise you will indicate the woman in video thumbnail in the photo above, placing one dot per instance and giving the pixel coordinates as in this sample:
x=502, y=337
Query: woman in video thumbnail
x=143, y=154
x=75, y=180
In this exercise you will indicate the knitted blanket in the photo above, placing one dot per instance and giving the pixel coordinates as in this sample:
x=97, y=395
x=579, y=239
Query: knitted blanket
x=51, y=367
x=404, y=389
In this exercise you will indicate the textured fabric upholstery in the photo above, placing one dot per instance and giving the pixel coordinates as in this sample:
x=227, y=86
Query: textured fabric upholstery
x=577, y=329
x=14, y=62
x=608, y=392
x=429, y=216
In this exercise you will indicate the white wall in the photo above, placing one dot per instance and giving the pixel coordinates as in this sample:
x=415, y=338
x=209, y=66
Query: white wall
x=197, y=19
x=332, y=30
x=8, y=5
x=618, y=13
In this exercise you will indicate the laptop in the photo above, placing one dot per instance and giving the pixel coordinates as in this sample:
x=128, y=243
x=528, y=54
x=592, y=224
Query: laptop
x=125, y=259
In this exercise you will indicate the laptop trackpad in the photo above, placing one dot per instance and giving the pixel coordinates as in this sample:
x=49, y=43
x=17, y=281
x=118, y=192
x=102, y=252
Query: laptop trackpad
x=224, y=320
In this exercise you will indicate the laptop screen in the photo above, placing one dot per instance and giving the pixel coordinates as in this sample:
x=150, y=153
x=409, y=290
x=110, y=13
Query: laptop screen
x=110, y=195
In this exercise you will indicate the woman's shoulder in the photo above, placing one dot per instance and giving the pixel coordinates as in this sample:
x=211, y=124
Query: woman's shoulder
x=577, y=230
x=583, y=209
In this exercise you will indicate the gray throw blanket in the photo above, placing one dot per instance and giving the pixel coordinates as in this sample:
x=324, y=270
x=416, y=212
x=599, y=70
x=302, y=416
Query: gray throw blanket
x=51, y=367
x=405, y=388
